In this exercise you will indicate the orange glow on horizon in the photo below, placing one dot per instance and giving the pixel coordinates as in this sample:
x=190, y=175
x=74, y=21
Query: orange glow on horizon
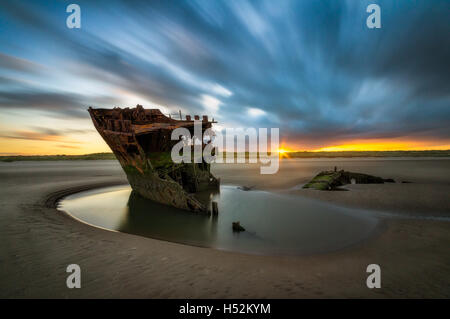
x=384, y=145
x=30, y=144
x=371, y=145
x=283, y=151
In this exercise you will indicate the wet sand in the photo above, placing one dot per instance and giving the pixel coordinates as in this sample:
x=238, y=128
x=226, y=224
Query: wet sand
x=37, y=242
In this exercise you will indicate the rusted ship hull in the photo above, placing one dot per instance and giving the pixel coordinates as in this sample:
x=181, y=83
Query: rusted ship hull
x=141, y=141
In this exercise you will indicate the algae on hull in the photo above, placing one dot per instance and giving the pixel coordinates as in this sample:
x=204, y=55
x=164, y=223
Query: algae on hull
x=141, y=141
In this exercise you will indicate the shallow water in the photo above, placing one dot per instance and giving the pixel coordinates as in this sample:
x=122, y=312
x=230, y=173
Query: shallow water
x=275, y=223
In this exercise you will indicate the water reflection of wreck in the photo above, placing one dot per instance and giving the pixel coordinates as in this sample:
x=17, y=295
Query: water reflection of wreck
x=141, y=141
x=154, y=220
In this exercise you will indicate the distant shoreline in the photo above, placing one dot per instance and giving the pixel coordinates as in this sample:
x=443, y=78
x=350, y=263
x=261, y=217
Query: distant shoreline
x=302, y=154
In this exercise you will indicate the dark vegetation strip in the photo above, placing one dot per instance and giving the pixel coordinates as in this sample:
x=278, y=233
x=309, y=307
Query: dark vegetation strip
x=110, y=156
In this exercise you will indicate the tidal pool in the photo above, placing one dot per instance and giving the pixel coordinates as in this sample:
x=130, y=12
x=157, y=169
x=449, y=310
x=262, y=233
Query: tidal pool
x=275, y=223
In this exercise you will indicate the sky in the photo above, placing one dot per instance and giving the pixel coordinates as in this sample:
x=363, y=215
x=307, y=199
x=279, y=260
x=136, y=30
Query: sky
x=311, y=68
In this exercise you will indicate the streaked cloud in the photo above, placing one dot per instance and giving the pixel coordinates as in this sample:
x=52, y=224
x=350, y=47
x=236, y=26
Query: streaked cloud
x=220, y=90
x=36, y=136
x=253, y=111
x=310, y=67
x=210, y=103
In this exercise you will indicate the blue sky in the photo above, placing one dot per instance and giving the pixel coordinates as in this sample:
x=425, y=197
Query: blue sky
x=311, y=68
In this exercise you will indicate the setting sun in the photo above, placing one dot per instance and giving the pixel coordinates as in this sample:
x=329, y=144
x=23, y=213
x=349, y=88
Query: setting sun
x=283, y=152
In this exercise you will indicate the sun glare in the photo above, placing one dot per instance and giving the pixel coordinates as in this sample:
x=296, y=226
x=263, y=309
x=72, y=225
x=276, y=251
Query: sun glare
x=283, y=152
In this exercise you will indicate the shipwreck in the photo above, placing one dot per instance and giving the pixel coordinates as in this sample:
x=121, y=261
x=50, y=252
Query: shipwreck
x=333, y=180
x=141, y=141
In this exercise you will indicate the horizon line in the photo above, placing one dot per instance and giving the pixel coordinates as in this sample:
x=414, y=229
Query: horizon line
x=284, y=151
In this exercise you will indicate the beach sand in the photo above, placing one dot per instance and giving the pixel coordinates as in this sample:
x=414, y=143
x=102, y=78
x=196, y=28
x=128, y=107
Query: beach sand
x=38, y=242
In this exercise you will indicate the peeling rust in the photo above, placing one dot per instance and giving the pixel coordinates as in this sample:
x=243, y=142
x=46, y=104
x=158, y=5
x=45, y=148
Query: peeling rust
x=141, y=141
